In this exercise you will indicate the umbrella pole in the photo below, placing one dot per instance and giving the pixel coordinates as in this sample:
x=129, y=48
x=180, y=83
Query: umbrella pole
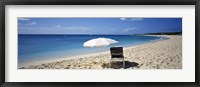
x=100, y=54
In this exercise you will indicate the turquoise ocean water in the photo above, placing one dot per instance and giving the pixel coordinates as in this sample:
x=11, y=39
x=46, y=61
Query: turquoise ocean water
x=43, y=47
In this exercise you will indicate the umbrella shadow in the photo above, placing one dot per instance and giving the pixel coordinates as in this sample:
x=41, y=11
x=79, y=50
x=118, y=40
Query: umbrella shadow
x=119, y=64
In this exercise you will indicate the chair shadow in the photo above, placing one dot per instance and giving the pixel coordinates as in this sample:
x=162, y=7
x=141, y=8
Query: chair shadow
x=119, y=64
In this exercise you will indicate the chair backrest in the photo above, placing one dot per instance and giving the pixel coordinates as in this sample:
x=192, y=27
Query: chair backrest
x=116, y=52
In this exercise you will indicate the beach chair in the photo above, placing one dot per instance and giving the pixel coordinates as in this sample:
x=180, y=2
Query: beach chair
x=117, y=54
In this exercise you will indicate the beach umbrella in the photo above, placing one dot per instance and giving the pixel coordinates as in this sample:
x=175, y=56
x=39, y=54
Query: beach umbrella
x=99, y=42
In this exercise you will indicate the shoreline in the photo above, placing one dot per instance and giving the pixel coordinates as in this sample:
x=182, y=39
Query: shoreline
x=91, y=58
x=85, y=55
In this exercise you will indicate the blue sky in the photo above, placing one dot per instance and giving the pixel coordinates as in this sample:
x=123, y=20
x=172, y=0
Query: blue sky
x=98, y=25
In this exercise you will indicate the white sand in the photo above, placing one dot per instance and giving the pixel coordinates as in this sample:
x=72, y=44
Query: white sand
x=165, y=54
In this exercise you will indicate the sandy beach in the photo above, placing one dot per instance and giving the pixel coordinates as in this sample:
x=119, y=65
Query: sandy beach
x=164, y=54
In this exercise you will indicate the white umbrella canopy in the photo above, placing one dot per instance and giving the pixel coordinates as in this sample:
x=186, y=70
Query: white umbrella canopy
x=99, y=42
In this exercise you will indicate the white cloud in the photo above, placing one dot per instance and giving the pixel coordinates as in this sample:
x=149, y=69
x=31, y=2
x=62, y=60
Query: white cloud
x=24, y=19
x=131, y=19
x=27, y=24
x=32, y=23
x=76, y=28
x=58, y=26
x=136, y=19
x=130, y=29
x=123, y=19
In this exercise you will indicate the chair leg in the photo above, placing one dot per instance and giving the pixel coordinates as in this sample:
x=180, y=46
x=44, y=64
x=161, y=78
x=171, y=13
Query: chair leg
x=109, y=64
x=123, y=63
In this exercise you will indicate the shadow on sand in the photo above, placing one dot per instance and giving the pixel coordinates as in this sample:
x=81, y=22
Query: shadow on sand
x=119, y=64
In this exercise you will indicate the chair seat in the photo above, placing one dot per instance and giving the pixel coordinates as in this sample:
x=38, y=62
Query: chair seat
x=117, y=59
